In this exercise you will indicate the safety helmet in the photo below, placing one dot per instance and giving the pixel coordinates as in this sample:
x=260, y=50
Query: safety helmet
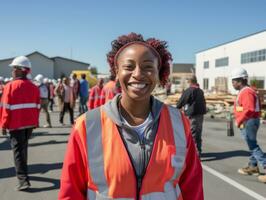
x=21, y=61
x=29, y=76
x=45, y=80
x=1, y=78
x=39, y=78
x=239, y=73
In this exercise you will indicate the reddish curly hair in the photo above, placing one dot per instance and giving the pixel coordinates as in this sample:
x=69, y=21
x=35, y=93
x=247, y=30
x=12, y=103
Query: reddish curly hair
x=158, y=45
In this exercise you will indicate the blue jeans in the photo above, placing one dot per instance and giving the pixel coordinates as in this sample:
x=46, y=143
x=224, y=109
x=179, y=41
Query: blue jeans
x=83, y=104
x=249, y=134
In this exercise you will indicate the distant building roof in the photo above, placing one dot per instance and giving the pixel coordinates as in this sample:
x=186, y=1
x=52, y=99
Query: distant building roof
x=51, y=58
x=232, y=41
x=70, y=60
x=183, y=68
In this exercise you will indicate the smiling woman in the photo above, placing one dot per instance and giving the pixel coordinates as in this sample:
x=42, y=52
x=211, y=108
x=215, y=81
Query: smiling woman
x=134, y=146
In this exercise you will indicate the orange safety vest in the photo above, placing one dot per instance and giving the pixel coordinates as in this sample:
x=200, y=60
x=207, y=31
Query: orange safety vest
x=111, y=174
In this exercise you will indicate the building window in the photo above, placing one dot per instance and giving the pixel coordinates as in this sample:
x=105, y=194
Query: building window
x=205, y=83
x=258, y=82
x=221, y=62
x=176, y=80
x=221, y=84
x=253, y=56
x=206, y=64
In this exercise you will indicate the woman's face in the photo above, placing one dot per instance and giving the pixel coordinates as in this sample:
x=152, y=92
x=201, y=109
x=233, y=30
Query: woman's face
x=137, y=71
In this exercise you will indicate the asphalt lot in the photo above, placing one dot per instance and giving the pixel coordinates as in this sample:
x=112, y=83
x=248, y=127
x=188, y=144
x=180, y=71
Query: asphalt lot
x=222, y=156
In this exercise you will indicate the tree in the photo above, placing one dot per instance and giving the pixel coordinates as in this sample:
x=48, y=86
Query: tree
x=94, y=70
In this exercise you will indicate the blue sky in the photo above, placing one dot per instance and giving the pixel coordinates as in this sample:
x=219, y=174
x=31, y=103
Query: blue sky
x=88, y=27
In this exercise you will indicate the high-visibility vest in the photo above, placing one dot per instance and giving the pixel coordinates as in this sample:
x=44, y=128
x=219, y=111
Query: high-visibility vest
x=20, y=105
x=111, y=173
x=95, y=97
x=108, y=92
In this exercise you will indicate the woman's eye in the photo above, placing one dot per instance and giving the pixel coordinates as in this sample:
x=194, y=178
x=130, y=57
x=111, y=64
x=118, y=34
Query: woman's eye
x=148, y=67
x=128, y=67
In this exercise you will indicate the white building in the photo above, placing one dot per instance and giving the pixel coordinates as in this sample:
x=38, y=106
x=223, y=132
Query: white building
x=214, y=65
x=53, y=67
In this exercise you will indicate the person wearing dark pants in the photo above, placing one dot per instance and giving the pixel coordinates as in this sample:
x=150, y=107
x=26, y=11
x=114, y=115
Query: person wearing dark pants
x=83, y=94
x=196, y=122
x=66, y=108
x=19, y=144
x=193, y=102
x=19, y=115
x=68, y=98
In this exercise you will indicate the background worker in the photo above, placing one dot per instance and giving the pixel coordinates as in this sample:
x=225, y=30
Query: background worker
x=51, y=87
x=19, y=114
x=1, y=86
x=44, y=94
x=247, y=113
x=75, y=85
x=121, y=150
x=66, y=93
x=194, y=104
x=59, y=92
x=109, y=90
x=83, y=94
x=95, y=95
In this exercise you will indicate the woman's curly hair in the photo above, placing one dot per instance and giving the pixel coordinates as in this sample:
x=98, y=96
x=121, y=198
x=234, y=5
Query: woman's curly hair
x=158, y=45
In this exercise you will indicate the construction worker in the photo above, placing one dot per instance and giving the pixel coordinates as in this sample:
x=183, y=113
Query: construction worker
x=95, y=95
x=194, y=104
x=19, y=114
x=44, y=94
x=247, y=113
x=67, y=95
x=83, y=94
x=75, y=84
x=109, y=90
x=1, y=86
x=121, y=150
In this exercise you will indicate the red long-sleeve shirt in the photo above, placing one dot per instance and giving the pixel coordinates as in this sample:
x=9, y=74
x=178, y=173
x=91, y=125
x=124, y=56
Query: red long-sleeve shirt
x=95, y=97
x=108, y=91
x=20, y=105
x=248, y=103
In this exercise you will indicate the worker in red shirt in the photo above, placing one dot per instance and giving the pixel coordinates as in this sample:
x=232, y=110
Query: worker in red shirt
x=95, y=95
x=19, y=114
x=109, y=90
x=1, y=86
x=121, y=150
x=247, y=113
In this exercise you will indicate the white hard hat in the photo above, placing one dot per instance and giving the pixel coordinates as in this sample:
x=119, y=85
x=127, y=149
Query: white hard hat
x=21, y=61
x=6, y=80
x=1, y=78
x=239, y=73
x=45, y=80
x=29, y=76
x=54, y=81
x=39, y=78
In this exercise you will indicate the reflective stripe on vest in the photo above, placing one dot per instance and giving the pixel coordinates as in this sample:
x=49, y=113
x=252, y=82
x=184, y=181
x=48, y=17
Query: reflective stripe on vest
x=92, y=195
x=95, y=150
x=96, y=159
x=19, y=106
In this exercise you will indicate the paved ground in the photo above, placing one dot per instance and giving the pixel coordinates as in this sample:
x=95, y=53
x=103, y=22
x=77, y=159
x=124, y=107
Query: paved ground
x=222, y=157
